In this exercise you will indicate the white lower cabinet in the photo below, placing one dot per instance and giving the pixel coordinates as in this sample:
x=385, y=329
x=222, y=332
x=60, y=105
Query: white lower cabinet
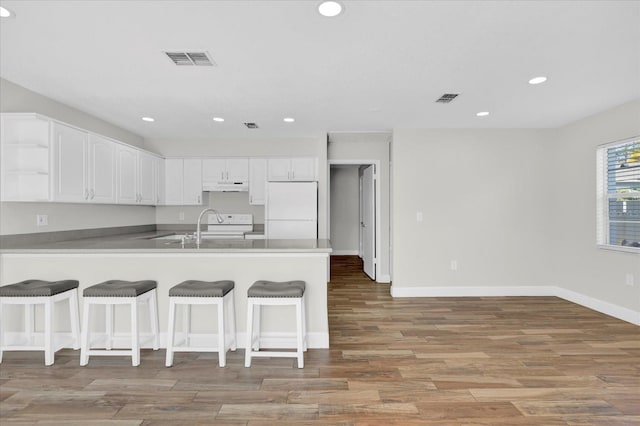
x=183, y=181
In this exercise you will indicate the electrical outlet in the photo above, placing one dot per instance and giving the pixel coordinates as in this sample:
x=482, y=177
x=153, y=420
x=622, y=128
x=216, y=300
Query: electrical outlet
x=454, y=265
x=42, y=220
x=419, y=217
x=629, y=280
x=181, y=216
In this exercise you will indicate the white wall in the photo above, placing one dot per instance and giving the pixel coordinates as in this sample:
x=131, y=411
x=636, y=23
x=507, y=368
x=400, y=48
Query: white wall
x=16, y=98
x=345, y=209
x=515, y=208
x=224, y=202
x=370, y=146
x=18, y=218
x=578, y=265
x=244, y=147
x=484, y=196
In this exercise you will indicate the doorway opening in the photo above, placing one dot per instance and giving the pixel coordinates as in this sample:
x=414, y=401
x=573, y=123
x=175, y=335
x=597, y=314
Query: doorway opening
x=354, y=212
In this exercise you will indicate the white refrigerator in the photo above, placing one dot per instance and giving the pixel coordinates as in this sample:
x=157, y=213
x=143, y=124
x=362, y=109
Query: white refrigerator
x=291, y=210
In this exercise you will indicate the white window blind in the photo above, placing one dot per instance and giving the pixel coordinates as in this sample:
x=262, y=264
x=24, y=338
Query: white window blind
x=618, y=203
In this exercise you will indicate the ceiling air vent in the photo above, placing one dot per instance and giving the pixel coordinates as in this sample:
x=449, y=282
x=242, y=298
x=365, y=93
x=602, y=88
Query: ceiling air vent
x=190, y=58
x=251, y=125
x=446, y=98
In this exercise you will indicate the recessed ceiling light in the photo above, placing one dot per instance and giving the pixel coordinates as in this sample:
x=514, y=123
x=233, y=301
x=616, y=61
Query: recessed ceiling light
x=218, y=119
x=483, y=114
x=288, y=120
x=6, y=13
x=538, y=80
x=330, y=8
x=149, y=119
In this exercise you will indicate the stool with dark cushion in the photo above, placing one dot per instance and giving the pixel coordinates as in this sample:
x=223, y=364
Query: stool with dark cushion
x=272, y=293
x=32, y=292
x=116, y=292
x=193, y=292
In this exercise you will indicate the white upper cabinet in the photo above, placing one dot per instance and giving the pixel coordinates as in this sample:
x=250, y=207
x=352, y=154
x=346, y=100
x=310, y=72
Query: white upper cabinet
x=127, y=166
x=257, y=180
x=46, y=160
x=136, y=177
x=174, y=178
x=101, y=170
x=159, y=176
x=292, y=169
x=146, y=179
x=225, y=170
x=26, y=157
x=70, y=164
x=192, y=186
x=183, y=181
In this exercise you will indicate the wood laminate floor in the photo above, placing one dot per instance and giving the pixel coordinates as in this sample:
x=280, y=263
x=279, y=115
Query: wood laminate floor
x=409, y=361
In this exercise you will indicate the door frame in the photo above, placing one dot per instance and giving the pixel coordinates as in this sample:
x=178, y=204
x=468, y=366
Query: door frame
x=377, y=206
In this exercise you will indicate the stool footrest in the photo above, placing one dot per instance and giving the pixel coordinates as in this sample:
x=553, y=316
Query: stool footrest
x=275, y=354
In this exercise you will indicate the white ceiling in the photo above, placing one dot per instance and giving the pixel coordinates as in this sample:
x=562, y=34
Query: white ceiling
x=378, y=66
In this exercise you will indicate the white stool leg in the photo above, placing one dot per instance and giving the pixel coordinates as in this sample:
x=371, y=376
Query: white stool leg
x=222, y=349
x=135, y=337
x=28, y=321
x=86, y=325
x=247, y=351
x=1, y=332
x=48, y=331
x=299, y=331
x=171, y=329
x=232, y=321
x=153, y=319
x=255, y=335
x=109, y=315
x=74, y=316
x=304, y=325
x=186, y=323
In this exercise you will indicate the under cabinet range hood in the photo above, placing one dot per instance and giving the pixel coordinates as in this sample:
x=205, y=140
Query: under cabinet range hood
x=225, y=186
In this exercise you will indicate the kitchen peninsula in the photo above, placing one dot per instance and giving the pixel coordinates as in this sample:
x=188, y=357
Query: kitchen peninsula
x=143, y=256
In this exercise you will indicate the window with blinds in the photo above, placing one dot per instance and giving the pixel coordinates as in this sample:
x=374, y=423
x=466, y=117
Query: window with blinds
x=619, y=194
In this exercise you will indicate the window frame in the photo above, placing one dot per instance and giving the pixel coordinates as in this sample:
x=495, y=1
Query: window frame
x=603, y=196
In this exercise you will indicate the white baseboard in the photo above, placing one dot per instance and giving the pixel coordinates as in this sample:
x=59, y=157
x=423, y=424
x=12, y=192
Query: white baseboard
x=383, y=278
x=471, y=291
x=607, y=308
x=269, y=340
x=344, y=252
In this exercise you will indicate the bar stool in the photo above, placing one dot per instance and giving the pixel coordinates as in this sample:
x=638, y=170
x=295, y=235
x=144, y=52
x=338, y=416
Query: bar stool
x=271, y=293
x=115, y=292
x=192, y=292
x=33, y=292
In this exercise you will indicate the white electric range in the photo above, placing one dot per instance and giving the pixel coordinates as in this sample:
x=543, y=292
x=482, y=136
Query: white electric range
x=233, y=226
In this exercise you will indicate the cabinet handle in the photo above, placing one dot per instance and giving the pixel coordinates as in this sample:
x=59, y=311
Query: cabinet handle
x=293, y=175
x=199, y=199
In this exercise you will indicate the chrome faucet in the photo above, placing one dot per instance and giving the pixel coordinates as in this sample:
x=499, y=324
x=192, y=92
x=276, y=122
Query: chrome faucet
x=202, y=213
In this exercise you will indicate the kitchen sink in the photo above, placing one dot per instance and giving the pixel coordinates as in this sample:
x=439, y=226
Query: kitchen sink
x=205, y=236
